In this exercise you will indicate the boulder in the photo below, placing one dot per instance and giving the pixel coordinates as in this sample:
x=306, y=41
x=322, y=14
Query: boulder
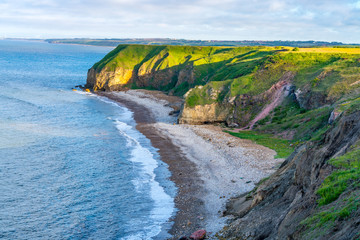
x=198, y=235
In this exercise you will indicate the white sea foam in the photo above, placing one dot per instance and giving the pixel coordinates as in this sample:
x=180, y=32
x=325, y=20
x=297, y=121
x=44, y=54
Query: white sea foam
x=163, y=203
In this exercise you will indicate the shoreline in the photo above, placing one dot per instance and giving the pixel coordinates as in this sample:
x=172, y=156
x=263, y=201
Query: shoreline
x=207, y=165
x=183, y=171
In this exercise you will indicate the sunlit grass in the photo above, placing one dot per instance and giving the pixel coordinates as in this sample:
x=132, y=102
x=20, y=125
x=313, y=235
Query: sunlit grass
x=329, y=50
x=282, y=147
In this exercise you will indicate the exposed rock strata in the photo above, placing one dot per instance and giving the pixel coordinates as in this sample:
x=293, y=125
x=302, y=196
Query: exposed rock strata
x=278, y=206
x=209, y=113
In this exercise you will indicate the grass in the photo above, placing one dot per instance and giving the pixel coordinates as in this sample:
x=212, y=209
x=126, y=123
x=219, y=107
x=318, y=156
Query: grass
x=330, y=50
x=344, y=181
x=323, y=221
x=282, y=147
x=347, y=176
x=209, y=64
x=210, y=93
x=326, y=73
x=304, y=124
x=245, y=70
x=349, y=106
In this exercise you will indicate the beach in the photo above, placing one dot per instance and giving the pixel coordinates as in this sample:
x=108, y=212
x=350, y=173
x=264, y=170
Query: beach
x=208, y=165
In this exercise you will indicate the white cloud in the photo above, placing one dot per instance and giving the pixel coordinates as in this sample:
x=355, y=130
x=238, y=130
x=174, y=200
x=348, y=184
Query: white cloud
x=192, y=19
x=277, y=5
x=356, y=5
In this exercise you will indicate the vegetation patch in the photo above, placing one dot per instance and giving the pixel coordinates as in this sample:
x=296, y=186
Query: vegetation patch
x=350, y=106
x=305, y=124
x=323, y=221
x=282, y=147
x=346, y=176
x=344, y=181
x=208, y=94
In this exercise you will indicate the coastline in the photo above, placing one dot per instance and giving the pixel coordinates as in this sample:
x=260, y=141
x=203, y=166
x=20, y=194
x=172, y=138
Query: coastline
x=208, y=166
x=184, y=173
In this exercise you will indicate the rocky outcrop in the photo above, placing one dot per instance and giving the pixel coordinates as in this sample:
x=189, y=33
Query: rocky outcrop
x=243, y=110
x=121, y=79
x=309, y=99
x=276, y=95
x=108, y=80
x=258, y=107
x=279, y=205
x=200, y=114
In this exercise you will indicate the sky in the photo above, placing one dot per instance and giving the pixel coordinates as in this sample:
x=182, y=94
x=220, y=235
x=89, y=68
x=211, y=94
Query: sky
x=319, y=20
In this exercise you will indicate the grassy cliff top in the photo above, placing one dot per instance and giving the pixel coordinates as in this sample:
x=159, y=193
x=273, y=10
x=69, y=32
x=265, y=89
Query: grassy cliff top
x=241, y=70
x=131, y=55
x=332, y=72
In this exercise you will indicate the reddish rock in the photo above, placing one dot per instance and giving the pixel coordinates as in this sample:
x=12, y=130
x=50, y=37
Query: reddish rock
x=198, y=235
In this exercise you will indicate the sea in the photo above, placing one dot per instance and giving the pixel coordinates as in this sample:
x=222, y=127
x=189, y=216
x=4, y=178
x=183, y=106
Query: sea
x=72, y=164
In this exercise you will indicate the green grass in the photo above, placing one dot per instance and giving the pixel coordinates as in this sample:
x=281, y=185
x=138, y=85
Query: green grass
x=325, y=220
x=305, y=124
x=347, y=175
x=329, y=74
x=210, y=93
x=349, y=106
x=344, y=181
x=282, y=147
x=209, y=64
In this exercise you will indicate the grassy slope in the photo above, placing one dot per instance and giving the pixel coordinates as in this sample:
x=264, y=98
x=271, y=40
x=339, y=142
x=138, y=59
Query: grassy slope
x=325, y=71
x=282, y=147
x=209, y=63
x=339, y=195
x=242, y=70
x=329, y=72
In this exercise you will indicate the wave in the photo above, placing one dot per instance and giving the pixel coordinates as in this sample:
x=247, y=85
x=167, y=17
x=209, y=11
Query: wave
x=163, y=203
x=22, y=101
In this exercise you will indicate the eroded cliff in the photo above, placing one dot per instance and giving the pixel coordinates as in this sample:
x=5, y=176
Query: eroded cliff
x=315, y=194
x=236, y=85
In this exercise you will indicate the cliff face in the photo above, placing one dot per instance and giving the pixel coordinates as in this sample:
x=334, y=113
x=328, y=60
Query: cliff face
x=286, y=206
x=138, y=67
x=200, y=114
x=237, y=85
x=173, y=69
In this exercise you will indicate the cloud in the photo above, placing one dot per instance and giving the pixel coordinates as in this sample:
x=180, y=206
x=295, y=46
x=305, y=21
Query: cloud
x=356, y=5
x=192, y=19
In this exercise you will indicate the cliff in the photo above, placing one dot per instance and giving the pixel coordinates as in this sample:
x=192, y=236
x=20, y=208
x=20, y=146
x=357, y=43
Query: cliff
x=315, y=194
x=310, y=97
x=173, y=69
x=236, y=85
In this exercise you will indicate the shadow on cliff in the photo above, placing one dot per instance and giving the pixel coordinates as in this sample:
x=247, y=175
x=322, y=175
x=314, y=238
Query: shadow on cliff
x=178, y=79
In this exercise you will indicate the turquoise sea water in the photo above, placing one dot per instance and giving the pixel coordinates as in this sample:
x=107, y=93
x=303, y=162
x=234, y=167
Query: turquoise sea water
x=72, y=165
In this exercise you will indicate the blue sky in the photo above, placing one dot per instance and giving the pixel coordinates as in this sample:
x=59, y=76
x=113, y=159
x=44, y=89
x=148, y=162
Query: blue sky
x=327, y=20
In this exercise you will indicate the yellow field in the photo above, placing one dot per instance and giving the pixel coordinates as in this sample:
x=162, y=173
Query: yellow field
x=329, y=50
